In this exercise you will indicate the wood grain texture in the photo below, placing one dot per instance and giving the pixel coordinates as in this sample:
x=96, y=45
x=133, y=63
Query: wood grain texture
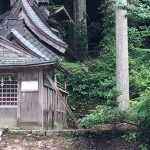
x=30, y=110
x=62, y=100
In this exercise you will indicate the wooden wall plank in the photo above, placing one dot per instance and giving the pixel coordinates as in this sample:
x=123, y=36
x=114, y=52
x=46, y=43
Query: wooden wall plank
x=45, y=107
x=30, y=110
x=8, y=117
x=62, y=99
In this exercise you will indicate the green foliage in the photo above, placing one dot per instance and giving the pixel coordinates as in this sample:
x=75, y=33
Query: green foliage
x=103, y=114
x=139, y=52
x=137, y=9
x=107, y=43
x=140, y=80
x=130, y=136
x=90, y=83
x=139, y=114
x=139, y=67
x=143, y=147
x=135, y=38
x=143, y=118
x=139, y=60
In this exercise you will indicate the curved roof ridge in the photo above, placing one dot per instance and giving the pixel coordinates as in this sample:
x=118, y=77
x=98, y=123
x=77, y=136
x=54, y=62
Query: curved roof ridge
x=15, y=58
x=37, y=21
x=3, y=39
x=28, y=44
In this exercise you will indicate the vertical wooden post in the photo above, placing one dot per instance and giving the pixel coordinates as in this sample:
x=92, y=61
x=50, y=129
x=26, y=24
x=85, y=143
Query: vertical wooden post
x=18, y=101
x=62, y=99
x=65, y=86
x=41, y=89
x=55, y=80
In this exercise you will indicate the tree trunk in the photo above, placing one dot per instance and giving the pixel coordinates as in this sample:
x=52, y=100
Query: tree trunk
x=80, y=19
x=80, y=11
x=4, y=6
x=122, y=65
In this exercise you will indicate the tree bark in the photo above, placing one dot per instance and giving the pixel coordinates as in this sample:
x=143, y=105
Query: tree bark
x=4, y=6
x=122, y=65
x=80, y=19
x=80, y=11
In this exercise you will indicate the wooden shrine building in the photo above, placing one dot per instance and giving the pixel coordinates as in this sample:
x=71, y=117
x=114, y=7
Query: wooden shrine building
x=29, y=52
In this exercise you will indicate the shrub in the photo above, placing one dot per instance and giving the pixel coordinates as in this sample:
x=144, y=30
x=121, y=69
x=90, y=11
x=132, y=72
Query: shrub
x=89, y=84
x=143, y=119
x=103, y=114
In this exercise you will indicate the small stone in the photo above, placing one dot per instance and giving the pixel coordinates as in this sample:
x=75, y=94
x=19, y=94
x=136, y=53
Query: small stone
x=52, y=133
x=5, y=130
x=28, y=135
x=1, y=132
x=20, y=132
x=16, y=141
x=81, y=132
x=38, y=132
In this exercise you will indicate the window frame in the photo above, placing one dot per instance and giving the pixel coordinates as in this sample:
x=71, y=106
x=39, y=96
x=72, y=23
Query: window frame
x=8, y=91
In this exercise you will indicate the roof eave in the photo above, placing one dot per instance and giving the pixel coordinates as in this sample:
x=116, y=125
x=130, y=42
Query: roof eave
x=27, y=65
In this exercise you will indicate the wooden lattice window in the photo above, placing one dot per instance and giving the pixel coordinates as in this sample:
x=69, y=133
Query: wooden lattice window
x=8, y=90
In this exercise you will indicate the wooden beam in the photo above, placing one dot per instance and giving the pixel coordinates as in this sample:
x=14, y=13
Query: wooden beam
x=62, y=98
x=59, y=8
x=41, y=92
x=18, y=101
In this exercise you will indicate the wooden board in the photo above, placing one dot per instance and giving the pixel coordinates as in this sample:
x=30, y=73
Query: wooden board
x=30, y=108
x=8, y=117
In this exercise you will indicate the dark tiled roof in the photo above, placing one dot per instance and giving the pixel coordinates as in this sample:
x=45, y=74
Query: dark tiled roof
x=32, y=44
x=33, y=41
x=26, y=39
x=11, y=55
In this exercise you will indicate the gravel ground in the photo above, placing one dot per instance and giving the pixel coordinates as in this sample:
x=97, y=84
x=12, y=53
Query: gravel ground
x=30, y=142
x=18, y=142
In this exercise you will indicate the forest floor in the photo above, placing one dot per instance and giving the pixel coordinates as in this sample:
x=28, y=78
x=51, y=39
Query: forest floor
x=19, y=142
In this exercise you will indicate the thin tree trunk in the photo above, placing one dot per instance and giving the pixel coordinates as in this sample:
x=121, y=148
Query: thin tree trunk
x=122, y=65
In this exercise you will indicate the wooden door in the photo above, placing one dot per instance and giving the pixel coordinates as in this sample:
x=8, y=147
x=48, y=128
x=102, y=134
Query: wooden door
x=30, y=107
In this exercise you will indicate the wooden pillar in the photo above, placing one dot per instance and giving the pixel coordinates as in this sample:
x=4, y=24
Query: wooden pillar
x=41, y=93
x=18, y=101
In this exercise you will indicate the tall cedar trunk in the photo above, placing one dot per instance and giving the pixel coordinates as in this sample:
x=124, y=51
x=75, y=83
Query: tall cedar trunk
x=122, y=65
x=80, y=20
